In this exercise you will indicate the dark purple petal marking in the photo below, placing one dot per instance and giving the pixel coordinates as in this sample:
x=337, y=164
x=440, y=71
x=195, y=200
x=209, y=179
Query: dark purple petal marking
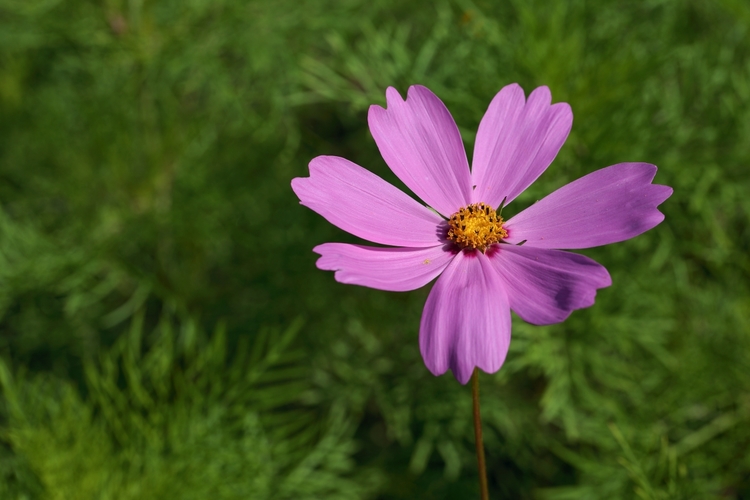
x=545, y=286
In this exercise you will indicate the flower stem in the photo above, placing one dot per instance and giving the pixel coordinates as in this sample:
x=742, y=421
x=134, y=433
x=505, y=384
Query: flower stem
x=478, y=436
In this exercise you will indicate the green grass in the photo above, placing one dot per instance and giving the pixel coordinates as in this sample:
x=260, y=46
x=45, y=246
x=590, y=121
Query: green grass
x=164, y=332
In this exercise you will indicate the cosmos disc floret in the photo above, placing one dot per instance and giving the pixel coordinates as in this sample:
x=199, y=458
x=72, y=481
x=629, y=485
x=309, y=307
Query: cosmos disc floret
x=476, y=226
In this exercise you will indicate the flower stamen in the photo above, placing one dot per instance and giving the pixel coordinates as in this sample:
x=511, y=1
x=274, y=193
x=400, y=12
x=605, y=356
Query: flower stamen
x=476, y=226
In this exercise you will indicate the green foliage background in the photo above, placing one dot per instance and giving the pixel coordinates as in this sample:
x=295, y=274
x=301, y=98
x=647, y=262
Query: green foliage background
x=164, y=333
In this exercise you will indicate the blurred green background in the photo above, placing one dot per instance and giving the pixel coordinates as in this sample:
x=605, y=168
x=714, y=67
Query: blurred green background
x=164, y=333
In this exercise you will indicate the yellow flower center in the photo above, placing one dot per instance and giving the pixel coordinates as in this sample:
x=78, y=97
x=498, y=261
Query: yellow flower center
x=476, y=226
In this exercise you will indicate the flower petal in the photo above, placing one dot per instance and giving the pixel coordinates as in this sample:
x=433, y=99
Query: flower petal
x=466, y=320
x=545, y=286
x=606, y=206
x=516, y=142
x=420, y=142
x=365, y=205
x=391, y=269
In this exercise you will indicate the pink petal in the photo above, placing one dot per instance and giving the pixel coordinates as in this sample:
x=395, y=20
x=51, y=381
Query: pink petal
x=420, y=142
x=391, y=269
x=365, y=205
x=516, y=142
x=466, y=320
x=545, y=286
x=606, y=206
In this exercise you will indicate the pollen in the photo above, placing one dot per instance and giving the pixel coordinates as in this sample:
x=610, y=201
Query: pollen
x=476, y=226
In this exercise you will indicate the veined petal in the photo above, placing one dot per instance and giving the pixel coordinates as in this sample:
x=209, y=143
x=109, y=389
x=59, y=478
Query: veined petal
x=391, y=269
x=606, y=206
x=516, y=142
x=420, y=142
x=365, y=205
x=545, y=286
x=466, y=320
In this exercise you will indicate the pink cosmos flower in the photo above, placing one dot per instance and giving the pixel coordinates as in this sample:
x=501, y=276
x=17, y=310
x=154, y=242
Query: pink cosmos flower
x=484, y=271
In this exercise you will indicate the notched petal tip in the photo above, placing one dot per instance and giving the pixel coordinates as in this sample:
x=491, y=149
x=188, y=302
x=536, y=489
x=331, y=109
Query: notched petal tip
x=461, y=371
x=466, y=319
x=511, y=93
x=516, y=141
x=421, y=144
x=657, y=193
x=393, y=97
x=512, y=87
x=376, y=112
x=562, y=116
x=298, y=185
x=420, y=90
x=543, y=94
x=662, y=193
x=464, y=376
x=607, y=206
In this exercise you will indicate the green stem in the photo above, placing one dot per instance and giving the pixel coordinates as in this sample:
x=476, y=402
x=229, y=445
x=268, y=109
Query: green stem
x=478, y=436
